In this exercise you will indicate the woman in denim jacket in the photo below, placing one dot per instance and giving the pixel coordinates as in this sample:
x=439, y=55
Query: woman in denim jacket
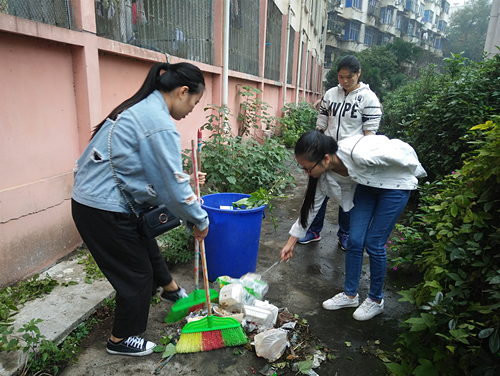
x=371, y=177
x=146, y=156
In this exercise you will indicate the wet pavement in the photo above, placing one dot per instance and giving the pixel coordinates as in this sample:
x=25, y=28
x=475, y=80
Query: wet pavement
x=314, y=274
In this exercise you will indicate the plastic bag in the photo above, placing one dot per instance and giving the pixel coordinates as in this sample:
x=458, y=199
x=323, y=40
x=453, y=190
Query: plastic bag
x=234, y=296
x=250, y=282
x=271, y=344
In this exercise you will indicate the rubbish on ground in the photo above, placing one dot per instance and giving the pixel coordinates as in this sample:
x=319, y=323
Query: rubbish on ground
x=259, y=316
x=271, y=344
x=254, y=286
x=268, y=306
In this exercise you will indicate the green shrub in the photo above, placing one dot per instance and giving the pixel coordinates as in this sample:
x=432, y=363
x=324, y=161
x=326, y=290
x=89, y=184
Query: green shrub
x=436, y=125
x=239, y=164
x=454, y=329
x=297, y=119
x=176, y=246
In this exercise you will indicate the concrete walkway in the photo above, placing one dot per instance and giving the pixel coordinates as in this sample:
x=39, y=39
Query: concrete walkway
x=314, y=274
x=61, y=311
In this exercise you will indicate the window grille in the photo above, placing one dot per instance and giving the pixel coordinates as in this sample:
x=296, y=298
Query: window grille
x=51, y=12
x=158, y=25
x=273, y=42
x=302, y=66
x=291, y=54
x=369, y=36
x=244, y=26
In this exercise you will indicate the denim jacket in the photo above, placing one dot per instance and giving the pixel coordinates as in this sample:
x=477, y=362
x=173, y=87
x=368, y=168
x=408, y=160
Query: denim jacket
x=146, y=155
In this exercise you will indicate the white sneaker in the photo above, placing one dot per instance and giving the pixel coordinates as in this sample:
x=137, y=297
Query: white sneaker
x=341, y=300
x=368, y=309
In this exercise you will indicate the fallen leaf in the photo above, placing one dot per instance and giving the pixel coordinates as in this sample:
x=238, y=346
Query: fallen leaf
x=348, y=344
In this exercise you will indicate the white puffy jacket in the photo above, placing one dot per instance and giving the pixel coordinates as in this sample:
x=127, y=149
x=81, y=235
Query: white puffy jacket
x=375, y=161
x=342, y=116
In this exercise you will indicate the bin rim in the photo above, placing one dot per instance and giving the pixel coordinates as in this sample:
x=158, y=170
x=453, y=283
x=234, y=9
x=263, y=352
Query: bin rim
x=236, y=211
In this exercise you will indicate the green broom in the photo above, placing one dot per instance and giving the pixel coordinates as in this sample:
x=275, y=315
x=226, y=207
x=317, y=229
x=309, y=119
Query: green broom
x=210, y=333
x=196, y=299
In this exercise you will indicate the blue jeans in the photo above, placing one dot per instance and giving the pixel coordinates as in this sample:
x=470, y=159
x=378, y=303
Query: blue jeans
x=373, y=217
x=317, y=224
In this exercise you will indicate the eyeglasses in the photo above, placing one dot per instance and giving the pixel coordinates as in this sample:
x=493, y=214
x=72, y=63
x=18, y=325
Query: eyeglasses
x=308, y=170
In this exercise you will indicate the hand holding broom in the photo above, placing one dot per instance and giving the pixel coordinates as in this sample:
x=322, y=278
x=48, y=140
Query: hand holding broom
x=196, y=299
x=211, y=332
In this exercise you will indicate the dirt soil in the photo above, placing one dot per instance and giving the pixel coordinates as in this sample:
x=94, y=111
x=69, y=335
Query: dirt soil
x=314, y=274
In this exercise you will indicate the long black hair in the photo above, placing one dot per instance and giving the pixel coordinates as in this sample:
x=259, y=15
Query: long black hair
x=313, y=146
x=175, y=75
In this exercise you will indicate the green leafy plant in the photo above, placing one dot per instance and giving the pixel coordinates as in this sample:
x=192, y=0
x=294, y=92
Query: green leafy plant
x=11, y=297
x=176, y=245
x=260, y=198
x=91, y=268
x=254, y=111
x=237, y=164
x=465, y=95
x=454, y=329
x=297, y=119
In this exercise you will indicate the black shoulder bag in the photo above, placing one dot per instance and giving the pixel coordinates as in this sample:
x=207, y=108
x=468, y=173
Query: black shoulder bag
x=153, y=221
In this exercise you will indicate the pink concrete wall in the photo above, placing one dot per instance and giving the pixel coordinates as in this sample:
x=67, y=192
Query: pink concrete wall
x=121, y=77
x=37, y=154
x=57, y=84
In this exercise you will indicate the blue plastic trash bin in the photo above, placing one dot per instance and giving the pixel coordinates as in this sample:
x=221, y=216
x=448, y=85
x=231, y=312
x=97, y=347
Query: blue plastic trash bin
x=232, y=243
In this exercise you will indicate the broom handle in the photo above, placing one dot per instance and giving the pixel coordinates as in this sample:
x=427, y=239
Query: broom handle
x=205, y=276
x=202, y=245
x=197, y=244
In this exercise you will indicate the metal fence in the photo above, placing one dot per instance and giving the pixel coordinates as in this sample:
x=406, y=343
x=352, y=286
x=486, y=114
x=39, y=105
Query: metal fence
x=244, y=26
x=289, y=74
x=273, y=41
x=52, y=12
x=180, y=28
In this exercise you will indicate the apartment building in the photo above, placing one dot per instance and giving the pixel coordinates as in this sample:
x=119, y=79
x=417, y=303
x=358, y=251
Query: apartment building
x=354, y=25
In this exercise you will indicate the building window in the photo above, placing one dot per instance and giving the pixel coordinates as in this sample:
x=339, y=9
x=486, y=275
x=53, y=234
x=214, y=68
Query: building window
x=421, y=10
x=353, y=4
x=437, y=45
x=411, y=29
x=442, y=26
x=446, y=7
x=399, y=22
x=428, y=16
x=369, y=36
x=386, y=14
x=352, y=31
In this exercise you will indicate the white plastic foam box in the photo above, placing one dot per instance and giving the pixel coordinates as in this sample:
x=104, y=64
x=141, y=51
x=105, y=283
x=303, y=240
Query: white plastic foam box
x=231, y=294
x=268, y=306
x=257, y=315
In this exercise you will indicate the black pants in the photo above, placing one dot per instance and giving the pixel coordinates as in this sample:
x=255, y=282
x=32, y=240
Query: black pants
x=133, y=264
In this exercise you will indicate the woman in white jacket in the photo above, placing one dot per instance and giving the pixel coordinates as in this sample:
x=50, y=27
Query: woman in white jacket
x=371, y=177
x=346, y=110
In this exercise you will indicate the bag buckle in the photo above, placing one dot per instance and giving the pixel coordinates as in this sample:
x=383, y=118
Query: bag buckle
x=163, y=218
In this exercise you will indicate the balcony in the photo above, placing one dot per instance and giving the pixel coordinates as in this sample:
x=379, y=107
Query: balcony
x=388, y=28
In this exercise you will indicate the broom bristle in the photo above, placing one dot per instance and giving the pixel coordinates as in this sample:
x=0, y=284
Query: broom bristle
x=234, y=337
x=189, y=343
x=212, y=340
x=197, y=307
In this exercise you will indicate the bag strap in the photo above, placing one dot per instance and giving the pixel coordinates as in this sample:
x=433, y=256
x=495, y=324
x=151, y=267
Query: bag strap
x=114, y=172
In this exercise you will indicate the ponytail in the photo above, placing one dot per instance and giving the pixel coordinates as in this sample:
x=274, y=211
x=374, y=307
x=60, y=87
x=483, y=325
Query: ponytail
x=175, y=75
x=313, y=146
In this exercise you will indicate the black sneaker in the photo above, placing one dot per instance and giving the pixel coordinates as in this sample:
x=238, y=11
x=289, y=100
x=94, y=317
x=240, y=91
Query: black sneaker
x=133, y=346
x=173, y=296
